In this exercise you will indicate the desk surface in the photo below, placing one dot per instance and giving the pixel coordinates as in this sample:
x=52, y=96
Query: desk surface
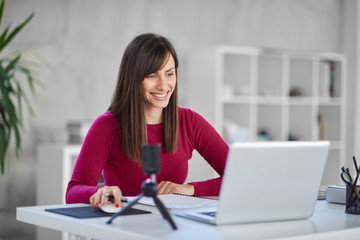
x=328, y=222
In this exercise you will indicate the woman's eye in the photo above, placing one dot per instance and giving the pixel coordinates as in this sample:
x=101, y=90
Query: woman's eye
x=151, y=76
x=170, y=74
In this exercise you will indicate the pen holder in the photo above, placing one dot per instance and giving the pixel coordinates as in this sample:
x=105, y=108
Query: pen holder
x=352, y=199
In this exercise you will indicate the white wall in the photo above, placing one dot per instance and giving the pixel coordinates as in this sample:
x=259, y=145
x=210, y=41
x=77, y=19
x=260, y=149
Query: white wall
x=350, y=43
x=83, y=42
x=355, y=54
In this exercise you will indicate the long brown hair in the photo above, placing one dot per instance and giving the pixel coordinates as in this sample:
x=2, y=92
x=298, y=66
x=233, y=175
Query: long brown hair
x=144, y=55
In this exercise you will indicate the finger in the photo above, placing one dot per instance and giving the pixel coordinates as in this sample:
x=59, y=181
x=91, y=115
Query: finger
x=105, y=194
x=161, y=184
x=170, y=188
x=116, y=192
x=95, y=198
x=165, y=188
x=92, y=201
x=161, y=187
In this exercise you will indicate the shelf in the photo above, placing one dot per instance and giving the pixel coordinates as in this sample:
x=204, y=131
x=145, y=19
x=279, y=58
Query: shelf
x=275, y=94
x=255, y=100
x=334, y=101
x=301, y=100
x=237, y=100
x=271, y=100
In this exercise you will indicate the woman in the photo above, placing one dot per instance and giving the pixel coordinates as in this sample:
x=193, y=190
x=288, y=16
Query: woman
x=144, y=109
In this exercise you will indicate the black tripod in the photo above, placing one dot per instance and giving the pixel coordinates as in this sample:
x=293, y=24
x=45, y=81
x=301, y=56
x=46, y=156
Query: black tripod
x=151, y=166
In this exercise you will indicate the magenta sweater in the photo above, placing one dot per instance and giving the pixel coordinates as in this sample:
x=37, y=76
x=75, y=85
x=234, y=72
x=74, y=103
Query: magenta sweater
x=101, y=151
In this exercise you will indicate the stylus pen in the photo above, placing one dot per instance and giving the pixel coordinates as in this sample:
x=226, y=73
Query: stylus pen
x=123, y=199
x=356, y=166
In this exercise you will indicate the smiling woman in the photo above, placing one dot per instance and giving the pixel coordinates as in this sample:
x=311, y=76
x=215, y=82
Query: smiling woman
x=158, y=88
x=144, y=59
x=144, y=110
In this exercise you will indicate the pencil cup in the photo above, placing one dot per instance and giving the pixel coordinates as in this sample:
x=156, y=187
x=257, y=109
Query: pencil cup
x=352, y=199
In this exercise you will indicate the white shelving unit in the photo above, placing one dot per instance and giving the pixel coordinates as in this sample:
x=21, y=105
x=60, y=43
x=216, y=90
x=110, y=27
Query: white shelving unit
x=55, y=164
x=285, y=94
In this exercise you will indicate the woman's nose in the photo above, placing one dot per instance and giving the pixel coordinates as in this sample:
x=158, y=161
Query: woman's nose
x=161, y=84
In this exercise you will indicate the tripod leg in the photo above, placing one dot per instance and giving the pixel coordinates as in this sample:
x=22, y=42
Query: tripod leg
x=125, y=209
x=164, y=212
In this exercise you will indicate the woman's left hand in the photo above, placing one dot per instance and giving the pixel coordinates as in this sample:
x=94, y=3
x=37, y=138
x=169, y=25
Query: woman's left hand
x=167, y=187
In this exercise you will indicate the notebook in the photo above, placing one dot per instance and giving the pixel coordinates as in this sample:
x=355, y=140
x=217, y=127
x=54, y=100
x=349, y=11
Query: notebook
x=178, y=201
x=267, y=181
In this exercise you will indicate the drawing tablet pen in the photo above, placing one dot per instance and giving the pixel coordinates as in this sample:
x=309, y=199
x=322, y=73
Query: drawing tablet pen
x=123, y=199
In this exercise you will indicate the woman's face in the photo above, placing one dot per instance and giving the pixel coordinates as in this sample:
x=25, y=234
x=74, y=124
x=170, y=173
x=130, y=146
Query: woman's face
x=158, y=86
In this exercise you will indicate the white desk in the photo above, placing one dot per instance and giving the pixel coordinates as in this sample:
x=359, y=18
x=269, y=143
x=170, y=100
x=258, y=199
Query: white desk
x=328, y=222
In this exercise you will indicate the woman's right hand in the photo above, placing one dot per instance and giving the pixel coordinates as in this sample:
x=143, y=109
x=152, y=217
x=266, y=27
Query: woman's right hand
x=102, y=196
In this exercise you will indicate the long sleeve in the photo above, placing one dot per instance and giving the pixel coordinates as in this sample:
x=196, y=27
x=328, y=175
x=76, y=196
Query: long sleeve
x=213, y=148
x=101, y=152
x=91, y=161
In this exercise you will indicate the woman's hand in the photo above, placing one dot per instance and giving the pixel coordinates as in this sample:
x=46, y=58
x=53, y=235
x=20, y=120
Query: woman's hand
x=167, y=187
x=102, y=196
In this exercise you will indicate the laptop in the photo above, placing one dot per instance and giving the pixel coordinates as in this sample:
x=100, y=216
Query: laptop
x=267, y=181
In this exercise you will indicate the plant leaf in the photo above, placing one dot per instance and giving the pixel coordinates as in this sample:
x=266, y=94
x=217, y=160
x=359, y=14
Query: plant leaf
x=5, y=139
x=17, y=140
x=2, y=6
x=29, y=77
x=15, y=32
x=4, y=34
x=12, y=92
x=12, y=63
x=19, y=94
x=23, y=96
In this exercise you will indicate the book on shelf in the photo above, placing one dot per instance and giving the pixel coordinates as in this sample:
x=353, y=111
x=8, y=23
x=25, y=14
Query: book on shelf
x=332, y=79
x=322, y=127
x=327, y=79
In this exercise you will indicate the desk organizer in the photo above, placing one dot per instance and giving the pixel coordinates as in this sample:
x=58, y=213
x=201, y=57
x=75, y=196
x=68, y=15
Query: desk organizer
x=352, y=199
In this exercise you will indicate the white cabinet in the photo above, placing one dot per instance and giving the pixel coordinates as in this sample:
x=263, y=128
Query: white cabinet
x=271, y=94
x=54, y=170
x=55, y=164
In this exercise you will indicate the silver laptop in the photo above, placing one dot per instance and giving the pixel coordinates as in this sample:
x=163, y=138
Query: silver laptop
x=267, y=181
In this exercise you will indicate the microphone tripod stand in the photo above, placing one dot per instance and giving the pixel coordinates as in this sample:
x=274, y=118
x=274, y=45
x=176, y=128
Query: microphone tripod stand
x=151, y=166
x=149, y=189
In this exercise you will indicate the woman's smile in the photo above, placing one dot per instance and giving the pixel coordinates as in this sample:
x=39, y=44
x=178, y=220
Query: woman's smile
x=160, y=96
x=159, y=86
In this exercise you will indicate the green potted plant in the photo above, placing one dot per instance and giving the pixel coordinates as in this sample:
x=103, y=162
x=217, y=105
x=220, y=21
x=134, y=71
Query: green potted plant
x=16, y=76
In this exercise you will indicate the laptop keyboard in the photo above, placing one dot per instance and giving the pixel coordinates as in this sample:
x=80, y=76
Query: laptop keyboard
x=211, y=214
